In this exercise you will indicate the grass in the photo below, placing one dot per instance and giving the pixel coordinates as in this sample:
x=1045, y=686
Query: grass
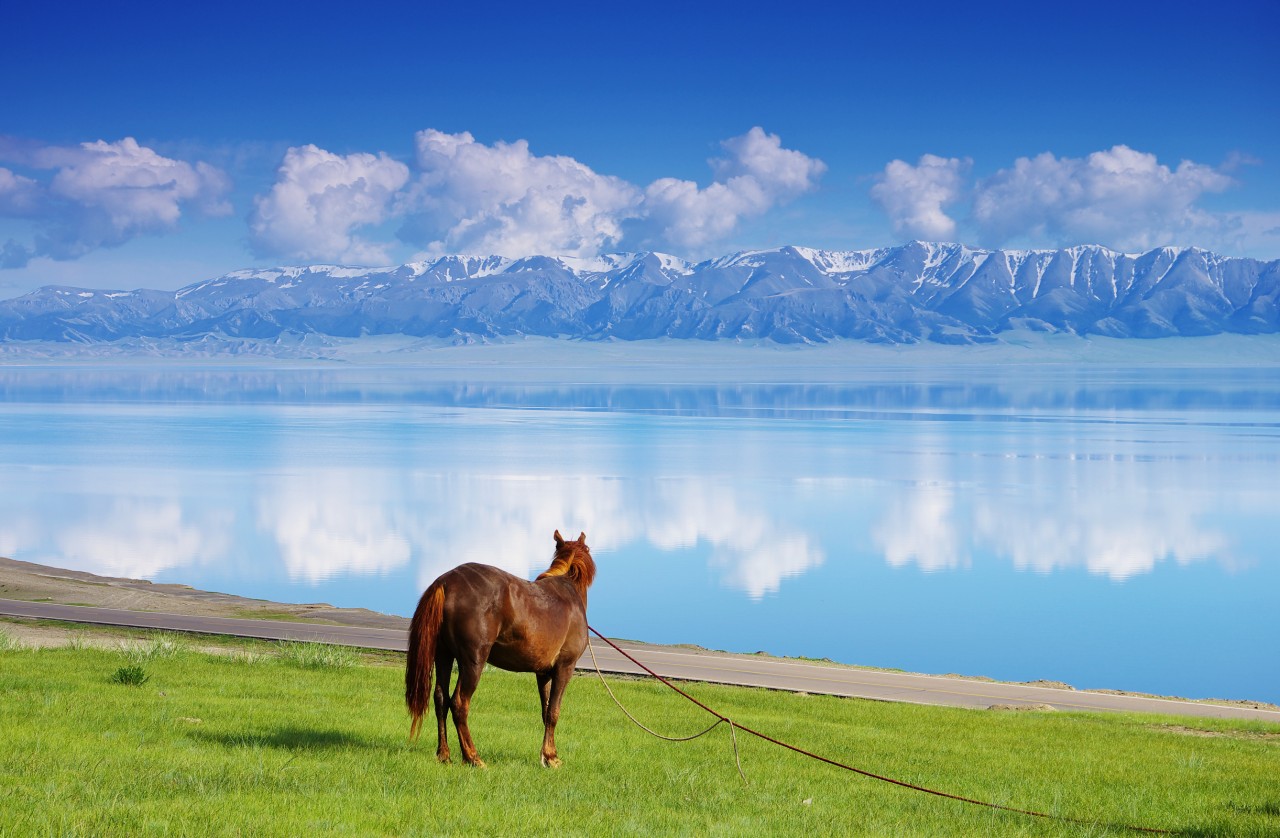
x=9, y=643
x=132, y=675
x=318, y=655
x=264, y=742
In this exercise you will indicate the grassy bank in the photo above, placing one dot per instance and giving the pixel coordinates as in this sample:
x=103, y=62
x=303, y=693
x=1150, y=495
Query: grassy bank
x=291, y=741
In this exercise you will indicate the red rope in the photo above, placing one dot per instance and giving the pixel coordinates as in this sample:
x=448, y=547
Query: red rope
x=864, y=773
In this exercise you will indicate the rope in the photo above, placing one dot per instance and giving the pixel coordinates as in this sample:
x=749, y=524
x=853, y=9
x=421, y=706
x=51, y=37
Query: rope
x=904, y=784
x=650, y=731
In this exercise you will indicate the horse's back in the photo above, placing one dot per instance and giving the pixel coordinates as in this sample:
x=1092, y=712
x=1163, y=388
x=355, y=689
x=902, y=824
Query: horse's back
x=520, y=625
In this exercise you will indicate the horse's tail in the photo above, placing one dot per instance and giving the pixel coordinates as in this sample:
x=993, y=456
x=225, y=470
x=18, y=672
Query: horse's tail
x=423, y=632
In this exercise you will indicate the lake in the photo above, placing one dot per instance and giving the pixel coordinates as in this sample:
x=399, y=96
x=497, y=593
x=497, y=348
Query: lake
x=1101, y=525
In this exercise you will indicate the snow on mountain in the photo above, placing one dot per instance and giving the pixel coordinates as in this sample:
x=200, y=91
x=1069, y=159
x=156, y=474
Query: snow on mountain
x=947, y=293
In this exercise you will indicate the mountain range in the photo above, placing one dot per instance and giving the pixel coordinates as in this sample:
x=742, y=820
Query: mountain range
x=948, y=293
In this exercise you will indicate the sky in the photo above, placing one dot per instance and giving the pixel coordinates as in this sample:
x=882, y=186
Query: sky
x=152, y=146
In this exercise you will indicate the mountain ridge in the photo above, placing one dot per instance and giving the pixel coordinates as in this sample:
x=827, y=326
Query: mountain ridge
x=918, y=291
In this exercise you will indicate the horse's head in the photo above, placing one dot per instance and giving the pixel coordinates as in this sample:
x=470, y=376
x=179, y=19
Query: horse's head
x=573, y=559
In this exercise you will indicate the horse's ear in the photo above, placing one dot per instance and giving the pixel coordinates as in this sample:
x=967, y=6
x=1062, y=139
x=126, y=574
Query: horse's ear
x=582, y=538
x=559, y=538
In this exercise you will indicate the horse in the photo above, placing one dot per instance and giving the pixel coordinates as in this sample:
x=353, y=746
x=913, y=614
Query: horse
x=477, y=613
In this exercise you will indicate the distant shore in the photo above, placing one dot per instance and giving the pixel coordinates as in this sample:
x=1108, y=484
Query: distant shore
x=664, y=360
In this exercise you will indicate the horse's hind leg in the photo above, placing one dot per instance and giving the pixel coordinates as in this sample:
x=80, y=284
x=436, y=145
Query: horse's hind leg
x=444, y=672
x=558, y=679
x=468, y=678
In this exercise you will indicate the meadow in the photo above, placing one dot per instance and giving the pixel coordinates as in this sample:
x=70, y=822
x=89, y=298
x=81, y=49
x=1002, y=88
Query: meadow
x=263, y=739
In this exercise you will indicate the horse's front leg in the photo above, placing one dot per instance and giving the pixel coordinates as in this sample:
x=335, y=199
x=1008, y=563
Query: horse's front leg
x=551, y=685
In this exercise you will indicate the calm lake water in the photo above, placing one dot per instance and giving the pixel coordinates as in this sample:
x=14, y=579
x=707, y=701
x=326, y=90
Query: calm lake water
x=1103, y=527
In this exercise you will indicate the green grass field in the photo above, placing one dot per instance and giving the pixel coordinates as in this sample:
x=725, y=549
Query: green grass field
x=297, y=741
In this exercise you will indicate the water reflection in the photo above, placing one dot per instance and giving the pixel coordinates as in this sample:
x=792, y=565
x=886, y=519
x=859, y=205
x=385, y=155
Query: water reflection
x=327, y=523
x=1116, y=535
x=783, y=510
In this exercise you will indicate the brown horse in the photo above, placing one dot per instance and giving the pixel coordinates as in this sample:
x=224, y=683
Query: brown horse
x=477, y=613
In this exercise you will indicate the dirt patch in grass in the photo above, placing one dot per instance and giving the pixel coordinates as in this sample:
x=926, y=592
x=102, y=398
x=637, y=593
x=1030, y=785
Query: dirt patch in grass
x=1253, y=735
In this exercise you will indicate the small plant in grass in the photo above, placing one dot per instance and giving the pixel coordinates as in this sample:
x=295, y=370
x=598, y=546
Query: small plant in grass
x=318, y=655
x=9, y=643
x=132, y=676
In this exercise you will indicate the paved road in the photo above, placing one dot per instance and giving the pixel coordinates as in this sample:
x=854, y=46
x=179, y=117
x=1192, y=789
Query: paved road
x=685, y=664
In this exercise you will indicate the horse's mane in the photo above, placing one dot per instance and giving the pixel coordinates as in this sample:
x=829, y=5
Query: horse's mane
x=573, y=559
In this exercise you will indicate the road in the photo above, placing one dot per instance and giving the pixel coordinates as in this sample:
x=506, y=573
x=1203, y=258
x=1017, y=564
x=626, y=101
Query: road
x=683, y=664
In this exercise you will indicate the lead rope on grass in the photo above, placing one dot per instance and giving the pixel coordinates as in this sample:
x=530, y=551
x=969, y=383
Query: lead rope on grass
x=719, y=721
x=904, y=784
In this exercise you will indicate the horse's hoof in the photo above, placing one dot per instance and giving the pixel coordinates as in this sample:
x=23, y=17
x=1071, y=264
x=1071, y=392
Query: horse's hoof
x=477, y=763
x=554, y=762
x=443, y=759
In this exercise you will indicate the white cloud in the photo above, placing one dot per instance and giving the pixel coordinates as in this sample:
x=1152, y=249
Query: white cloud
x=101, y=194
x=1119, y=197
x=914, y=196
x=468, y=197
x=19, y=196
x=502, y=199
x=757, y=175
x=318, y=202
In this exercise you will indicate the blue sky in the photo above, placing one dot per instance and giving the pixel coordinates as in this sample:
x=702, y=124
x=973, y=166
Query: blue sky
x=152, y=146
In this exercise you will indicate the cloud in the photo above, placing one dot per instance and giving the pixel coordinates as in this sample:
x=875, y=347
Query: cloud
x=100, y=194
x=502, y=199
x=464, y=196
x=914, y=196
x=1120, y=197
x=318, y=202
x=756, y=175
x=19, y=196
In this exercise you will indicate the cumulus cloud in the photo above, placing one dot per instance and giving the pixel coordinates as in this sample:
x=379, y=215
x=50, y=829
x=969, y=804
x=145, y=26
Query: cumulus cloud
x=465, y=196
x=475, y=198
x=1121, y=197
x=914, y=196
x=320, y=200
x=100, y=194
x=19, y=196
x=756, y=174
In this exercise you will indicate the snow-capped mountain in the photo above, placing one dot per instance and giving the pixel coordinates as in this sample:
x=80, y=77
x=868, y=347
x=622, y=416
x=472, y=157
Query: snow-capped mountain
x=920, y=291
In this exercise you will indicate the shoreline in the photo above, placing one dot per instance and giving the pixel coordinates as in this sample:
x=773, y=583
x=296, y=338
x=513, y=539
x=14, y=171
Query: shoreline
x=32, y=582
